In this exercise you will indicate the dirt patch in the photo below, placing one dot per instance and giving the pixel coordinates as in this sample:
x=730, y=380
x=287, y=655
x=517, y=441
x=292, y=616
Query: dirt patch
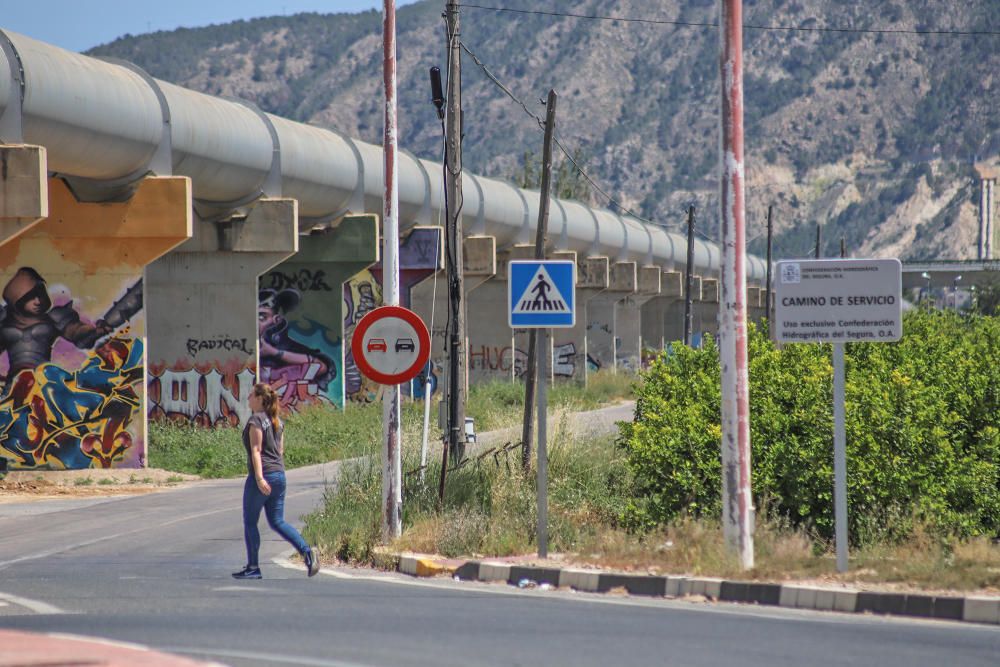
x=27, y=485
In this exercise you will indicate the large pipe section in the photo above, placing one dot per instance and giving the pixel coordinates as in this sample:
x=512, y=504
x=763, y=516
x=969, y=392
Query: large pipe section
x=104, y=122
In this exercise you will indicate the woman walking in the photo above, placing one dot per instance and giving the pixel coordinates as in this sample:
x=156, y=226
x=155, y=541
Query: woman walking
x=264, y=441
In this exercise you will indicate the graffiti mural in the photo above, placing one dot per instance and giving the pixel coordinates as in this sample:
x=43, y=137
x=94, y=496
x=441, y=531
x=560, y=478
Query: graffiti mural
x=72, y=386
x=204, y=396
x=362, y=294
x=299, y=356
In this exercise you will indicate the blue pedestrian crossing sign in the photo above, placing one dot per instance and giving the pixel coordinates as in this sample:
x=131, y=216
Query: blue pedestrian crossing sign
x=541, y=294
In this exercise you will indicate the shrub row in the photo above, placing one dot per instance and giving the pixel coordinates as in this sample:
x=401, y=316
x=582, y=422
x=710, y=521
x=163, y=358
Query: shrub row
x=923, y=432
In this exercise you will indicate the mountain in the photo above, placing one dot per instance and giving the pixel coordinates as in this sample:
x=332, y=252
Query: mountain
x=872, y=134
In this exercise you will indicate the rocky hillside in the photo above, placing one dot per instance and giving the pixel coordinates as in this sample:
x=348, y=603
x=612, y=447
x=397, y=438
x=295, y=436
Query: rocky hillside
x=871, y=134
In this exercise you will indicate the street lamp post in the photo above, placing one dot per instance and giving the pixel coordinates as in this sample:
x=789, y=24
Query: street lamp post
x=926, y=276
x=954, y=292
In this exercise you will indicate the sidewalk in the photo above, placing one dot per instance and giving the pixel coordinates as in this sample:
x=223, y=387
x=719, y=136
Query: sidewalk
x=24, y=649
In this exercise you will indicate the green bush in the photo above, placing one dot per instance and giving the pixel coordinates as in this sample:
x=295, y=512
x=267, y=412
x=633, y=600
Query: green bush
x=923, y=432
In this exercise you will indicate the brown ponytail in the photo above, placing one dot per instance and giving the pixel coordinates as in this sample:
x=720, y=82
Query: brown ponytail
x=272, y=406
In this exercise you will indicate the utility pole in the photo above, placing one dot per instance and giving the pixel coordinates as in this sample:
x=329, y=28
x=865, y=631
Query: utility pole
x=453, y=234
x=819, y=240
x=767, y=283
x=688, y=278
x=540, y=230
x=843, y=248
x=737, y=503
x=392, y=472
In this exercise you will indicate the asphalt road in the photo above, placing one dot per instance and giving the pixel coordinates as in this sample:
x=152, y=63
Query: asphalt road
x=154, y=569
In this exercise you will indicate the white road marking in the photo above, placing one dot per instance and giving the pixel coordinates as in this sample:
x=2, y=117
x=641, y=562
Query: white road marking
x=252, y=589
x=272, y=658
x=36, y=606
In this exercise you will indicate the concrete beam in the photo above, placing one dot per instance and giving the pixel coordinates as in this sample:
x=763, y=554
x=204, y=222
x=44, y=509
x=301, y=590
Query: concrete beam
x=301, y=312
x=90, y=390
x=650, y=281
x=203, y=314
x=24, y=196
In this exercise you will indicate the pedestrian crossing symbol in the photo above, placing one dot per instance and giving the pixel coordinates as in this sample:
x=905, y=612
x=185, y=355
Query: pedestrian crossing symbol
x=541, y=294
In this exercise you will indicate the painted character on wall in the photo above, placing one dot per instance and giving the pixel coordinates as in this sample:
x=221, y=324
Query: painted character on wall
x=297, y=371
x=51, y=416
x=30, y=325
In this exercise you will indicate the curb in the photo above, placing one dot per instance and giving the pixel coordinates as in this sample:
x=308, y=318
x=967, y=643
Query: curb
x=971, y=609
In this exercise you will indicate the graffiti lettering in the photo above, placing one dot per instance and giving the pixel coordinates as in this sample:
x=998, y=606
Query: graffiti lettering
x=202, y=398
x=194, y=345
x=303, y=280
x=564, y=360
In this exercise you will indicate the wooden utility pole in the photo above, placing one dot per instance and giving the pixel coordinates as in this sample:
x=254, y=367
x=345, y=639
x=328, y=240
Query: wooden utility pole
x=767, y=283
x=453, y=235
x=689, y=278
x=737, y=503
x=819, y=241
x=540, y=230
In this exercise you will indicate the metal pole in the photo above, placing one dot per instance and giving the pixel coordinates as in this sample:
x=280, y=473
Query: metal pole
x=543, y=454
x=737, y=520
x=839, y=457
x=540, y=230
x=767, y=280
x=688, y=278
x=843, y=248
x=453, y=189
x=392, y=497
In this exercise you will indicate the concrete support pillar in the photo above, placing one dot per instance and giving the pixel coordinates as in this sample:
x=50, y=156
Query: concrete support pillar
x=24, y=197
x=987, y=235
x=674, y=322
x=430, y=302
x=420, y=256
x=301, y=312
x=603, y=338
x=75, y=330
x=631, y=354
x=593, y=278
x=706, y=311
x=656, y=311
x=202, y=301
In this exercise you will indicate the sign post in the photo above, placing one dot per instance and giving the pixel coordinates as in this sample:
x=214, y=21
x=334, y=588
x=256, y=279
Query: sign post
x=541, y=294
x=391, y=346
x=838, y=301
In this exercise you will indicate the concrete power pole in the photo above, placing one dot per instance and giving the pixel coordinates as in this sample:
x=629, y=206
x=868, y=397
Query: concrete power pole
x=540, y=231
x=392, y=472
x=688, y=275
x=453, y=234
x=737, y=509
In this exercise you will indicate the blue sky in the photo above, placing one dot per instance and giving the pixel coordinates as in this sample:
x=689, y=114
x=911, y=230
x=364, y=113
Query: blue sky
x=78, y=25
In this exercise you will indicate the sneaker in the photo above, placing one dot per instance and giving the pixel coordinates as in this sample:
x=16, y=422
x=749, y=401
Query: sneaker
x=248, y=573
x=312, y=562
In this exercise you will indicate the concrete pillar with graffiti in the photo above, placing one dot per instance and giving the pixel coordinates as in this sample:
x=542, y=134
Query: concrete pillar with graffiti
x=301, y=312
x=631, y=352
x=420, y=256
x=603, y=338
x=202, y=303
x=73, y=328
x=429, y=299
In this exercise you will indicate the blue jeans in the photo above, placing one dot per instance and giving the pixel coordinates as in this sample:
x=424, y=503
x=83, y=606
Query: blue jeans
x=274, y=509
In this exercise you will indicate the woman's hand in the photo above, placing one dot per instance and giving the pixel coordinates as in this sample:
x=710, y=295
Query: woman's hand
x=264, y=487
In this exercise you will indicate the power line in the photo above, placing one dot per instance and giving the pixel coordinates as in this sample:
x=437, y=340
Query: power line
x=748, y=26
x=559, y=144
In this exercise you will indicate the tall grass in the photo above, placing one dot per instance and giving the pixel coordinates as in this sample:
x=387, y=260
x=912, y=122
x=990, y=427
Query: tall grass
x=319, y=434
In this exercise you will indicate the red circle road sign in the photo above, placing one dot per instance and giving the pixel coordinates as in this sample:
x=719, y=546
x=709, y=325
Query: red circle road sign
x=391, y=345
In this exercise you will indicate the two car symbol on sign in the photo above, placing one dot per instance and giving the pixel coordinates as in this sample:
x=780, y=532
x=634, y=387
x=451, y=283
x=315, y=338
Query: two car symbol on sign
x=379, y=345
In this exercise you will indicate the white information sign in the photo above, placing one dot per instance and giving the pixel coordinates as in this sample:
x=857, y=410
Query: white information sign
x=838, y=301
